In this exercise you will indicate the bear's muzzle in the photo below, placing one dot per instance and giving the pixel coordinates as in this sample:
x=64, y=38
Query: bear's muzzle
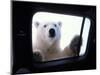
x=52, y=33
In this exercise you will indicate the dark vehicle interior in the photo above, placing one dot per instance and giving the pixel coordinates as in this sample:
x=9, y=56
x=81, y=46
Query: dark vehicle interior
x=22, y=57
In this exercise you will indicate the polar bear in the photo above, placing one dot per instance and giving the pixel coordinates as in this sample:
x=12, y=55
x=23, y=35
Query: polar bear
x=46, y=45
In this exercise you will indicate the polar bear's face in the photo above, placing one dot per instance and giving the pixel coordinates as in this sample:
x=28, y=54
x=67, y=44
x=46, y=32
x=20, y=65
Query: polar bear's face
x=49, y=32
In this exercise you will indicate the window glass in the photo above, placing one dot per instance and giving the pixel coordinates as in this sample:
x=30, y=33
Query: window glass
x=58, y=27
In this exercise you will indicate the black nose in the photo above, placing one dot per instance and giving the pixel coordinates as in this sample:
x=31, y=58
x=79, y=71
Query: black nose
x=52, y=32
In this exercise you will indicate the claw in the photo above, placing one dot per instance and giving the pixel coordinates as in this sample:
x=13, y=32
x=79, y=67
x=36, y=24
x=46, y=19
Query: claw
x=75, y=44
x=37, y=56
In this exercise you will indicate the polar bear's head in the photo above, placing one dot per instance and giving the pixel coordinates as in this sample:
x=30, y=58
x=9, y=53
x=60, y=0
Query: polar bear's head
x=48, y=32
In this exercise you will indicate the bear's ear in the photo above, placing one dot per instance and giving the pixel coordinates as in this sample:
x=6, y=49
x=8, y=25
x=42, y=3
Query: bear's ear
x=36, y=24
x=59, y=23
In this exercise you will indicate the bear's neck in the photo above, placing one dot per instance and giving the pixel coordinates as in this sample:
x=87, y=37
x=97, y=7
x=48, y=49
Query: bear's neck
x=55, y=47
x=46, y=47
x=40, y=44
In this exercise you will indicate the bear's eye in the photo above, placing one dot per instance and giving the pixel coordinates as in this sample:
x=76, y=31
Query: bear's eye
x=45, y=26
x=55, y=25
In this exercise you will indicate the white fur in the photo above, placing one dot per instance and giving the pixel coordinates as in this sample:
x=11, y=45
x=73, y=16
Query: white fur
x=49, y=48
